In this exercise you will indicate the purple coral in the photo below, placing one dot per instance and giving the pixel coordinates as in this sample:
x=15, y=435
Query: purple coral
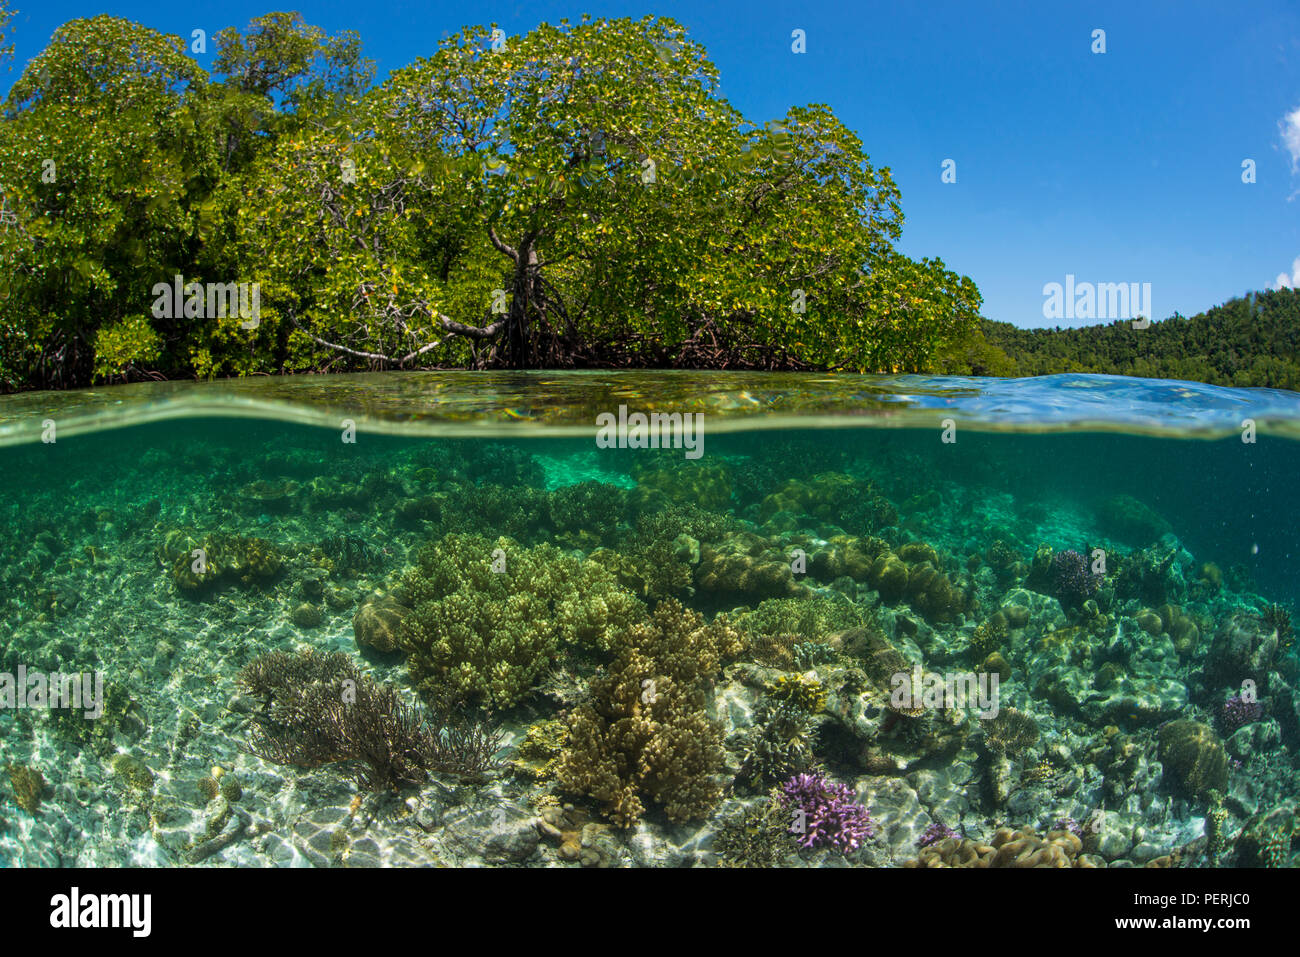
x=1074, y=581
x=1237, y=712
x=1069, y=824
x=935, y=833
x=829, y=815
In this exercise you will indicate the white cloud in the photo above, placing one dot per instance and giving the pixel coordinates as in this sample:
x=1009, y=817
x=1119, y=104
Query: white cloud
x=1290, y=127
x=1292, y=281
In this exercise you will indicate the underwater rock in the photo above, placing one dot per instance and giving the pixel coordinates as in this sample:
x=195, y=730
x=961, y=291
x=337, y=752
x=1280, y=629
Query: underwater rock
x=1265, y=840
x=1243, y=649
x=1194, y=757
x=1133, y=521
x=378, y=622
x=307, y=615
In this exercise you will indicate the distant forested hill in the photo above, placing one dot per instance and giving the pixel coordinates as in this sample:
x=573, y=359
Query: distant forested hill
x=1245, y=342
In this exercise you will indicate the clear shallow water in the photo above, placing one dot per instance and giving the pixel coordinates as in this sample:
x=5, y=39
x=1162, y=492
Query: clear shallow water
x=1199, y=531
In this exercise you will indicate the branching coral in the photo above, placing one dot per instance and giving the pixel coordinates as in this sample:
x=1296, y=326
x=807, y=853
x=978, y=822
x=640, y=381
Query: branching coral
x=1010, y=732
x=320, y=709
x=479, y=634
x=646, y=734
x=824, y=813
x=778, y=746
x=806, y=694
x=758, y=836
x=1073, y=581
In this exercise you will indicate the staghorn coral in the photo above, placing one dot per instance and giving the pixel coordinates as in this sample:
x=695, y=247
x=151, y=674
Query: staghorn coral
x=477, y=634
x=320, y=709
x=645, y=734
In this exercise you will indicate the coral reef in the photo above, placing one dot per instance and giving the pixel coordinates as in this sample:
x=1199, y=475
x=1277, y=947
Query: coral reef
x=320, y=709
x=824, y=813
x=1193, y=755
x=804, y=693
x=28, y=785
x=224, y=559
x=645, y=734
x=1073, y=580
x=378, y=623
x=778, y=746
x=479, y=634
x=757, y=836
x=1008, y=848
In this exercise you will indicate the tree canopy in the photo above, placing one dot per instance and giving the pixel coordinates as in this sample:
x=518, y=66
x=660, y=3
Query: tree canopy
x=580, y=195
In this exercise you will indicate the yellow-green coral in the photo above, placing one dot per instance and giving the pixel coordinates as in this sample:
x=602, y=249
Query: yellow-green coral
x=646, y=735
x=476, y=633
x=535, y=757
x=1193, y=756
x=224, y=558
x=807, y=694
x=988, y=637
x=28, y=785
x=133, y=772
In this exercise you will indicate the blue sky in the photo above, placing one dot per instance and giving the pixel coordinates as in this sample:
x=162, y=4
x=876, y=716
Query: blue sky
x=1123, y=166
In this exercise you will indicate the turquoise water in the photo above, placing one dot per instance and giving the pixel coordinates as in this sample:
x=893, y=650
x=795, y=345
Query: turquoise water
x=427, y=619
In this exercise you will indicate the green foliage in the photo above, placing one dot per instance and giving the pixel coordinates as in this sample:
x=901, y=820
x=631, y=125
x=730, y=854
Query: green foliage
x=583, y=195
x=105, y=153
x=6, y=17
x=125, y=346
x=1253, y=341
